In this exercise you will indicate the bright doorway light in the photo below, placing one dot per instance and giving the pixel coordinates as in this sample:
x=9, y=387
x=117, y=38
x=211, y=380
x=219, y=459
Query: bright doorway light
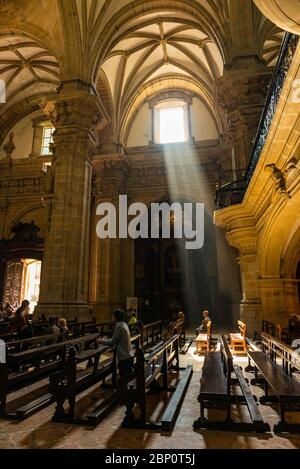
x=32, y=280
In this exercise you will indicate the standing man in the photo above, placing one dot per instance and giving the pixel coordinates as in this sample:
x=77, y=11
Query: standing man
x=121, y=340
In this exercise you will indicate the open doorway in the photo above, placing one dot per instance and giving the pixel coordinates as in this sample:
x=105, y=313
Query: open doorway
x=23, y=280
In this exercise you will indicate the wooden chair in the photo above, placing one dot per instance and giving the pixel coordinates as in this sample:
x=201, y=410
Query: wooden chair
x=238, y=339
x=203, y=340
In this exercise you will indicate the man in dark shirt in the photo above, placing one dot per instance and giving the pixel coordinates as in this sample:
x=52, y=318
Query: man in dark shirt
x=121, y=340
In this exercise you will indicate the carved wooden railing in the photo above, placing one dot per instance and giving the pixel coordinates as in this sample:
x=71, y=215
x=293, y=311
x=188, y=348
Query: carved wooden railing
x=233, y=193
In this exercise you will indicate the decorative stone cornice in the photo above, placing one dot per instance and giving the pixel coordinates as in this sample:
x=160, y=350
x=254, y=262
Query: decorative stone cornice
x=20, y=186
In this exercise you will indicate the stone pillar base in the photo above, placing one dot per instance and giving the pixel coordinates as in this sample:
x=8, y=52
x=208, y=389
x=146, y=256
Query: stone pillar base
x=251, y=314
x=65, y=310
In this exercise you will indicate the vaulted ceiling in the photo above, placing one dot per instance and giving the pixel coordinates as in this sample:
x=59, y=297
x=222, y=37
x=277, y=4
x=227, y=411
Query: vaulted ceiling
x=26, y=67
x=161, y=47
x=142, y=46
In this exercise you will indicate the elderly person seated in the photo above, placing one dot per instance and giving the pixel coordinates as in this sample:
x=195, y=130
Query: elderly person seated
x=203, y=327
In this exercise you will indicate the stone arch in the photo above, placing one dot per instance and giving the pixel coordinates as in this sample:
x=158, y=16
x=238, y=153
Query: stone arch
x=157, y=86
x=291, y=255
x=107, y=134
x=276, y=236
x=17, y=216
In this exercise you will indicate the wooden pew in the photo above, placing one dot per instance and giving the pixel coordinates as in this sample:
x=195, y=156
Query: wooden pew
x=97, y=414
x=8, y=337
x=277, y=377
x=133, y=388
x=268, y=327
x=40, y=362
x=203, y=341
x=64, y=385
x=238, y=340
x=4, y=327
x=275, y=330
x=216, y=391
x=293, y=329
x=151, y=334
x=17, y=346
x=103, y=328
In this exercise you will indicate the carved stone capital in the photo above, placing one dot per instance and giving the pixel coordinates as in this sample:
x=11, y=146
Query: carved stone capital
x=110, y=176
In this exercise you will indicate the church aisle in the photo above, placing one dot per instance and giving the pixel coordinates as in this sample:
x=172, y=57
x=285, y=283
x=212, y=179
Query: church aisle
x=39, y=432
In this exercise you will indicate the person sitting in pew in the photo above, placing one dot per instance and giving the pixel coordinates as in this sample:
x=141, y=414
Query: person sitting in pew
x=180, y=319
x=21, y=324
x=63, y=328
x=203, y=327
x=8, y=312
x=133, y=323
x=52, y=329
x=121, y=340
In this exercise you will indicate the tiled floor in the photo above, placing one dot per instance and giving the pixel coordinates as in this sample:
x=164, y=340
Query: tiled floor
x=39, y=432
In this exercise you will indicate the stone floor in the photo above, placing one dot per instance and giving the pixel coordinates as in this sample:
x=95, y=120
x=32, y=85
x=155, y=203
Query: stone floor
x=39, y=432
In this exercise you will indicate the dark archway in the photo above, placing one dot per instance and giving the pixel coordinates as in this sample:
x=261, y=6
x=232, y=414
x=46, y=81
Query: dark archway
x=170, y=278
x=25, y=244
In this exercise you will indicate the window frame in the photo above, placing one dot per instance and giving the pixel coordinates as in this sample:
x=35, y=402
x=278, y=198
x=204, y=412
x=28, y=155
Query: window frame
x=48, y=138
x=185, y=99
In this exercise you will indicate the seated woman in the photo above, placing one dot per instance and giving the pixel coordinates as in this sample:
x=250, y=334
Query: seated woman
x=133, y=323
x=203, y=327
x=52, y=329
x=63, y=328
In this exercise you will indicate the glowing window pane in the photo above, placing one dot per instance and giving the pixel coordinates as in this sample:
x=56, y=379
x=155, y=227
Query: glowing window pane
x=47, y=140
x=171, y=125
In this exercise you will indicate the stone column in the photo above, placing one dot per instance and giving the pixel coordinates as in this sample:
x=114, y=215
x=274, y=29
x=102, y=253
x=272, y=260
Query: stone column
x=279, y=298
x=244, y=240
x=240, y=98
x=109, y=263
x=64, y=283
x=250, y=307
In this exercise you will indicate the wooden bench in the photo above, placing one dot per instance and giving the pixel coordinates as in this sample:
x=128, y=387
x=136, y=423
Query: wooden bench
x=31, y=366
x=70, y=381
x=17, y=346
x=203, y=341
x=4, y=327
x=275, y=330
x=279, y=378
x=133, y=388
x=151, y=334
x=238, y=340
x=293, y=329
x=177, y=327
x=96, y=415
x=215, y=392
x=8, y=337
x=103, y=328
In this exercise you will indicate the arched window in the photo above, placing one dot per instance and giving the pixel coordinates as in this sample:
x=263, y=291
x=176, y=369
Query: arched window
x=47, y=140
x=171, y=122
